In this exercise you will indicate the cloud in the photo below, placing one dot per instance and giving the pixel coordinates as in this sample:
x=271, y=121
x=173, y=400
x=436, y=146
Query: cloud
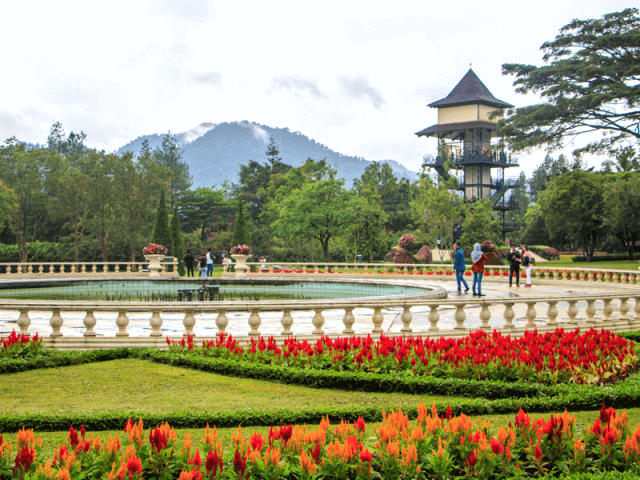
x=359, y=87
x=210, y=78
x=298, y=84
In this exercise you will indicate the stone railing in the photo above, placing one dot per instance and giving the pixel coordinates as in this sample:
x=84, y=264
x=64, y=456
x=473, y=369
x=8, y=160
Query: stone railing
x=169, y=268
x=359, y=270
x=619, y=311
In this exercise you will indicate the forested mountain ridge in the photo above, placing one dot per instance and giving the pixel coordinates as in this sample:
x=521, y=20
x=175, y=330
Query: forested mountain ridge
x=214, y=152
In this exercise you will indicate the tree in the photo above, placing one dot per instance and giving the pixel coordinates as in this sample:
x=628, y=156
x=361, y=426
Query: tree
x=573, y=208
x=8, y=203
x=197, y=209
x=366, y=234
x=170, y=157
x=161, y=232
x=240, y=235
x=176, y=237
x=621, y=207
x=545, y=172
x=438, y=211
x=590, y=84
x=480, y=223
x=72, y=145
x=25, y=172
x=310, y=203
x=626, y=161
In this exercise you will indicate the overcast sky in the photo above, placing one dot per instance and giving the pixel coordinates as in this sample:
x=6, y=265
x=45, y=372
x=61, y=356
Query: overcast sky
x=353, y=75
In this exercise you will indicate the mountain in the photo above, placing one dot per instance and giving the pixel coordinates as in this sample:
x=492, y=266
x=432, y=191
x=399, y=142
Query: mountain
x=214, y=152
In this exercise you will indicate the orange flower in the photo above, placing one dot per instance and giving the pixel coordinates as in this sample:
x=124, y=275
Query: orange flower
x=135, y=432
x=272, y=457
x=409, y=455
x=393, y=449
x=417, y=434
x=325, y=424
x=26, y=437
x=113, y=445
x=63, y=474
x=210, y=436
x=187, y=444
x=459, y=424
x=238, y=439
x=307, y=464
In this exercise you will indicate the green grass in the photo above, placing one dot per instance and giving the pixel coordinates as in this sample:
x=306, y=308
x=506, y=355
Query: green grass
x=133, y=385
x=613, y=265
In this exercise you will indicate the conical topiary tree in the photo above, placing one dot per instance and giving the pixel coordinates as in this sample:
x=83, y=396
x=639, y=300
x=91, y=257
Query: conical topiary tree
x=161, y=232
x=178, y=245
x=240, y=235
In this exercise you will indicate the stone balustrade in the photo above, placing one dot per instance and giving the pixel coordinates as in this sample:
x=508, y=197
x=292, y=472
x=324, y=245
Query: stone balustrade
x=619, y=312
x=497, y=272
x=83, y=268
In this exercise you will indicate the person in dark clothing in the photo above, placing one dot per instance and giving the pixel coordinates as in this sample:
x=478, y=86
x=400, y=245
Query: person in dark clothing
x=203, y=266
x=189, y=262
x=515, y=260
x=460, y=267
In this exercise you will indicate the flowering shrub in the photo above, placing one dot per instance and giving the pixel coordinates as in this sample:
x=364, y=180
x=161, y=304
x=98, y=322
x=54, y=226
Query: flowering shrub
x=432, y=446
x=592, y=357
x=550, y=253
x=155, y=249
x=241, y=250
x=406, y=240
x=20, y=346
x=424, y=254
x=403, y=257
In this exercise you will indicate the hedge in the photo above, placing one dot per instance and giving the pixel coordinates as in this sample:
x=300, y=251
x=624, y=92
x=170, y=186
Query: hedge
x=53, y=359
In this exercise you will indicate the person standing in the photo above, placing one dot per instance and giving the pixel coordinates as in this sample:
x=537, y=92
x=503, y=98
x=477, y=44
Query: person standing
x=189, y=261
x=514, y=259
x=527, y=263
x=478, y=258
x=459, y=267
x=209, y=263
x=203, y=266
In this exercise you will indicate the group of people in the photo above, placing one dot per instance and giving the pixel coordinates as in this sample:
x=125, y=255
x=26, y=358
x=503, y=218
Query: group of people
x=204, y=263
x=516, y=258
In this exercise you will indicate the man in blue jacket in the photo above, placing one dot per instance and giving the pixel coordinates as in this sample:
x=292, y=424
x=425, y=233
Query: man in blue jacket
x=460, y=267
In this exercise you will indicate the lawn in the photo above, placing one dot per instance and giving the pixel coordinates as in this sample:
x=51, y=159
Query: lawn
x=614, y=264
x=132, y=385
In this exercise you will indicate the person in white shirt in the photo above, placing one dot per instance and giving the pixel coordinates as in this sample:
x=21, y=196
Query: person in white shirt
x=209, y=263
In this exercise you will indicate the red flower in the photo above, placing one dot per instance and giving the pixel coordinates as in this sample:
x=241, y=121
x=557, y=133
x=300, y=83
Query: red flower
x=25, y=458
x=239, y=463
x=448, y=413
x=73, y=437
x=366, y=456
x=256, y=441
x=537, y=453
x=212, y=462
x=134, y=465
x=360, y=425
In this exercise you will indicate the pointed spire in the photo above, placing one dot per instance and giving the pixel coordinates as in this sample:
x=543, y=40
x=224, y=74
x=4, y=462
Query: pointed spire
x=469, y=91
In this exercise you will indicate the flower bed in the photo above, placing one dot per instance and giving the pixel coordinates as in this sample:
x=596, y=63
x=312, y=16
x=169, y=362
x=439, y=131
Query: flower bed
x=431, y=446
x=592, y=357
x=20, y=346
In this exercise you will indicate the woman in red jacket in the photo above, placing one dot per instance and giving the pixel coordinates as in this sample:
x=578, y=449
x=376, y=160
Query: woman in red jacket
x=478, y=259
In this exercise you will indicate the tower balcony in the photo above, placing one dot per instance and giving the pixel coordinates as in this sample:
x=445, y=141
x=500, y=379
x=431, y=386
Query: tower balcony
x=492, y=158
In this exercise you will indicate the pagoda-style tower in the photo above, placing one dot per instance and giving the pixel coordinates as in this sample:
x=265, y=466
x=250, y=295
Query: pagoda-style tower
x=466, y=133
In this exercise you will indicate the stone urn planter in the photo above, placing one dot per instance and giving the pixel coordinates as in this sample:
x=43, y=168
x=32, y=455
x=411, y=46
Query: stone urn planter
x=154, y=264
x=241, y=266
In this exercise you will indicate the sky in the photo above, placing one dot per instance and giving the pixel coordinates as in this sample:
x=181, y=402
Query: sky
x=356, y=76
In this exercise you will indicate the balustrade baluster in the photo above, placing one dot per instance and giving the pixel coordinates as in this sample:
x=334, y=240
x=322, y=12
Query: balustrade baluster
x=254, y=322
x=600, y=276
x=222, y=321
x=94, y=268
x=30, y=268
x=624, y=311
x=41, y=268
x=636, y=310
x=116, y=269
x=377, y=319
x=348, y=321
x=508, y=315
x=531, y=315
x=366, y=268
x=434, y=317
x=406, y=319
x=572, y=313
x=318, y=321
x=89, y=322
x=56, y=323
x=24, y=321
x=286, y=322
x=485, y=316
x=189, y=321
x=552, y=314
x=591, y=312
x=164, y=268
x=128, y=268
x=460, y=316
x=607, y=311
x=122, y=321
x=155, y=322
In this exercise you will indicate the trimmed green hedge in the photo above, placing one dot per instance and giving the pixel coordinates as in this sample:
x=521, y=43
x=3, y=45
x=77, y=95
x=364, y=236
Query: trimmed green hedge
x=605, y=258
x=53, y=359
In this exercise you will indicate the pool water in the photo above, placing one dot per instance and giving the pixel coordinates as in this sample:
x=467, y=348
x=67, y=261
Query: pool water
x=159, y=290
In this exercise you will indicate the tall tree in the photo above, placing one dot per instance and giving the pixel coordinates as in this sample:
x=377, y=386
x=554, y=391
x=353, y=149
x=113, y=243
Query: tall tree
x=72, y=145
x=625, y=161
x=240, y=234
x=545, y=172
x=8, y=203
x=169, y=156
x=480, y=223
x=25, y=172
x=178, y=244
x=590, y=84
x=198, y=209
x=621, y=207
x=161, y=231
x=573, y=208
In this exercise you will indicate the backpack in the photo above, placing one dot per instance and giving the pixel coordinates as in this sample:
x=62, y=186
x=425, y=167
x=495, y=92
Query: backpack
x=526, y=261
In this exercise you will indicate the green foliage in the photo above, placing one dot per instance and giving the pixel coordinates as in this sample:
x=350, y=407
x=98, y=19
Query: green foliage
x=161, y=232
x=169, y=156
x=8, y=202
x=480, y=223
x=621, y=207
x=612, y=257
x=573, y=209
x=197, y=210
x=589, y=83
x=176, y=237
x=240, y=234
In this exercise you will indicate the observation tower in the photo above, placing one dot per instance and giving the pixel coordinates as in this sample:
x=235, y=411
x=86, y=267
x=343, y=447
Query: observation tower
x=468, y=142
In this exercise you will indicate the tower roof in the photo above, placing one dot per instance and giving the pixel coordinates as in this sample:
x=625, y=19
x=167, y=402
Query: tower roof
x=470, y=91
